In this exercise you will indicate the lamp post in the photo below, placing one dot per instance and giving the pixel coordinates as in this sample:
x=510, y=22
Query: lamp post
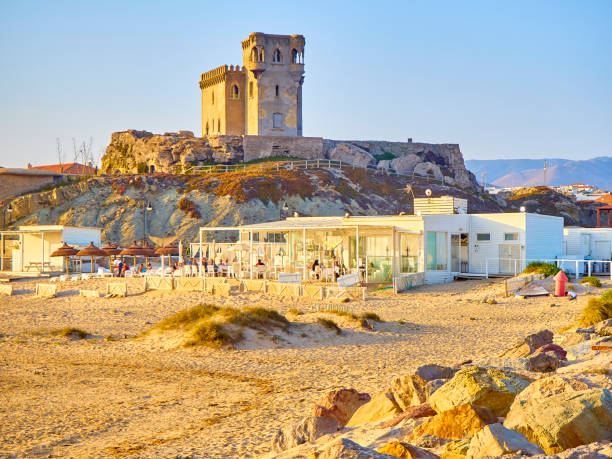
x=146, y=207
x=9, y=209
x=282, y=208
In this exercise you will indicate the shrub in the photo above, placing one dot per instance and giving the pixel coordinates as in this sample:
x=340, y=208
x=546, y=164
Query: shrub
x=330, y=325
x=607, y=296
x=539, y=267
x=189, y=207
x=142, y=168
x=591, y=280
x=596, y=310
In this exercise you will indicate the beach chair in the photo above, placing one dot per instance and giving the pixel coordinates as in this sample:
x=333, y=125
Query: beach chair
x=64, y=278
x=85, y=276
x=260, y=272
x=75, y=278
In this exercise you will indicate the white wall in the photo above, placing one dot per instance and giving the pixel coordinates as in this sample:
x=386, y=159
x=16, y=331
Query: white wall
x=496, y=225
x=544, y=237
x=582, y=242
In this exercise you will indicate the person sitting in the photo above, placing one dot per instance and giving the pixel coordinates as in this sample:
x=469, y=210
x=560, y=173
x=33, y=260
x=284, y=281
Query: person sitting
x=141, y=269
x=124, y=269
x=149, y=267
x=336, y=270
x=260, y=269
x=316, y=269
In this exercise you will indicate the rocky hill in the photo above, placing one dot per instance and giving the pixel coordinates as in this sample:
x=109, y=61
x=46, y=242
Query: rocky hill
x=530, y=172
x=543, y=200
x=183, y=203
x=141, y=151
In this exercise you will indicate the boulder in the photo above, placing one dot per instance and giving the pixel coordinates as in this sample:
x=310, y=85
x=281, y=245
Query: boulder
x=459, y=422
x=405, y=164
x=561, y=412
x=543, y=362
x=409, y=390
x=382, y=406
x=428, y=169
x=351, y=154
x=456, y=449
x=530, y=344
x=413, y=412
x=433, y=371
x=343, y=448
x=434, y=385
x=496, y=440
x=430, y=441
x=340, y=404
x=405, y=450
x=558, y=350
x=305, y=430
x=604, y=328
x=488, y=387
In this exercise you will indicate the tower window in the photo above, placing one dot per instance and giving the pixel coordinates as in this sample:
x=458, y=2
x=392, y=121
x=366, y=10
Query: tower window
x=277, y=58
x=219, y=126
x=212, y=96
x=276, y=90
x=294, y=56
x=235, y=92
x=261, y=55
x=206, y=128
x=277, y=120
x=254, y=55
x=250, y=89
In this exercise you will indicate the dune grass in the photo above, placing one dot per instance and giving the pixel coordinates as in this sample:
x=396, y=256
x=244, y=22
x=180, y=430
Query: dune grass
x=539, y=267
x=70, y=332
x=330, y=325
x=597, y=310
x=591, y=280
x=210, y=325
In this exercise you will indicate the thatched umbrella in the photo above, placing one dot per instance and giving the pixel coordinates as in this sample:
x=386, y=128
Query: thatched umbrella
x=170, y=250
x=111, y=250
x=91, y=251
x=150, y=251
x=65, y=251
x=134, y=251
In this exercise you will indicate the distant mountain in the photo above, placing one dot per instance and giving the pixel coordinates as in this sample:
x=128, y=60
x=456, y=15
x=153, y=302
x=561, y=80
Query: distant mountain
x=530, y=172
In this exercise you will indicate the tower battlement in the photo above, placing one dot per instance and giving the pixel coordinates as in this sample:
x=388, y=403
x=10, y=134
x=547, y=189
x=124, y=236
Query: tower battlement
x=261, y=97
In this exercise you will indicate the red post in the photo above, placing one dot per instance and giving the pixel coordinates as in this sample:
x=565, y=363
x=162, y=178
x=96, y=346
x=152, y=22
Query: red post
x=560, y=280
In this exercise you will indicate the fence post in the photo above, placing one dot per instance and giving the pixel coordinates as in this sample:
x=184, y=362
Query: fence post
x=486, y=268
x=589, y=268
x=515, y=267
x=577, y=275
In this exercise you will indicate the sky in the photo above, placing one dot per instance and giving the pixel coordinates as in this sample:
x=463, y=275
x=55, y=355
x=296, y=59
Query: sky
x=504, y=79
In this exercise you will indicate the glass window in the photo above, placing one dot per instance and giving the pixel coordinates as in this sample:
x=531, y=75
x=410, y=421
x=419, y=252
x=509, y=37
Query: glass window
x=483, y=236
x=511, y=236
x=235, y=92
x=409, y=252
x=436, y=251
x=250, y=89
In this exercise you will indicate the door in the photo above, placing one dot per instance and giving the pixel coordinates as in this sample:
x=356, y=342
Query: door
x=509, y=258
x=459, y=253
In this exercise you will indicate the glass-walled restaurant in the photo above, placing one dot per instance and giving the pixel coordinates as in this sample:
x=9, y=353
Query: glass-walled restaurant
x=299, y=245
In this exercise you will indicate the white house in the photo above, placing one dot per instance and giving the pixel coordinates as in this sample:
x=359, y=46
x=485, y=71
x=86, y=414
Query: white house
x=28, y=248
x=441, y=241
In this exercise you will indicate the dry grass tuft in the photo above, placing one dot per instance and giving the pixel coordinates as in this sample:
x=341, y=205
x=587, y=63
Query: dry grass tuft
x=70, y=332
x=330, y=325
x=597, y=310
x=210, y=325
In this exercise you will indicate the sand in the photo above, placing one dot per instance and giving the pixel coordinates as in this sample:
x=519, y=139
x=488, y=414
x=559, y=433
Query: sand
x=114, y=394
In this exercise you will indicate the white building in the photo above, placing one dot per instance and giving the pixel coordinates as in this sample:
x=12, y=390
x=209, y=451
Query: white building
x=27, y=249
x=441, y=241
x=595, y=243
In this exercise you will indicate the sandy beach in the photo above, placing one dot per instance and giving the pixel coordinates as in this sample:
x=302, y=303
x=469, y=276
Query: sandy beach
x=116, y=393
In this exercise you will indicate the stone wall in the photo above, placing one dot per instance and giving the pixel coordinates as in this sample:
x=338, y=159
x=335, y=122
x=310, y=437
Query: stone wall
x=16, y=184
x=265, y=146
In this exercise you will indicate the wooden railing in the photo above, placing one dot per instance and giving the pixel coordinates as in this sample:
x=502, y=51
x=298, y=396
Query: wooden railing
x=300, y=165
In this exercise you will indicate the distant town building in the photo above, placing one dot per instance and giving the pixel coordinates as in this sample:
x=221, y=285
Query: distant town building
x=67, y=168
x=14, y=182
x=261, y=97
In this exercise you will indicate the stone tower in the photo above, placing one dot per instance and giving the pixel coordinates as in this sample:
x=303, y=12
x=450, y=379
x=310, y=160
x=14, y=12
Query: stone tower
x=264, y=96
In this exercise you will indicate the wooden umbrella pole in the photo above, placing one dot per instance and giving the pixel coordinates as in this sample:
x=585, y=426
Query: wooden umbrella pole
x=92, y=264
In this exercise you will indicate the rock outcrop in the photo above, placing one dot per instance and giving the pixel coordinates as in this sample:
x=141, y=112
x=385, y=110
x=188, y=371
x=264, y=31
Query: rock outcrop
x=462, y=421
x=307, y=429
x=340, y=404
x=382, y=406
x=496, y=440
x=135, y=151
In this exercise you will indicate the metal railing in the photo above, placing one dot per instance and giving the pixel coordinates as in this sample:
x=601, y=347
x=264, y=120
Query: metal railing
x=301, y=165
x=519, y=265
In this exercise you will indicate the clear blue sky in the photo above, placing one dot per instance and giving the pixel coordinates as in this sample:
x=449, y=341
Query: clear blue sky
x=504, y=79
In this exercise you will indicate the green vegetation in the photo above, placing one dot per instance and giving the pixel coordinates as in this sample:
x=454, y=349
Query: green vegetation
x=597, y=310
x=350, y=315
x=210, y=325
x=539, y=267
x=371, y=316
x=70, y=332
x=386, y=156
x=293, y=312
x=330, y=325
x=591, y=280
